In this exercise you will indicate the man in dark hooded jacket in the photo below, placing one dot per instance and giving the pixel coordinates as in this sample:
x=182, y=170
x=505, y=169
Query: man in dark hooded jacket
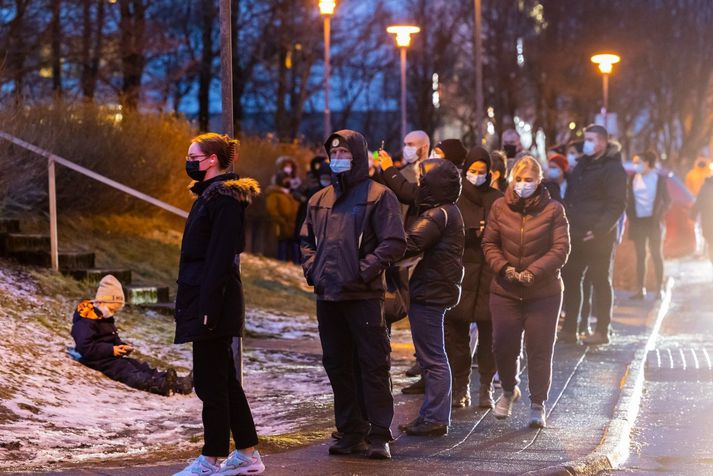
x=437, y=236
x=595, y=200
x=351, y=234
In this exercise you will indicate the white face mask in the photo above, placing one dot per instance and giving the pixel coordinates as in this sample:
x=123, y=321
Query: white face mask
x=287, y=170
x=525, y=189
x=588, y=148
x=475, y=179
x=410, y=154
x=572, y=160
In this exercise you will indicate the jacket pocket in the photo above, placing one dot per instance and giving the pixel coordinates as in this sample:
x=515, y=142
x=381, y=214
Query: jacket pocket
x=187, y=297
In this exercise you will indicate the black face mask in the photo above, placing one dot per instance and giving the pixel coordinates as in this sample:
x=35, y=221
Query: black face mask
x=192, y=170
x=510, y=150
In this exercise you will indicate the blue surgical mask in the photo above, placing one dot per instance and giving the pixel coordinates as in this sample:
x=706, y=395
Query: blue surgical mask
x=339, y=166
x=475, y=179
x=525, y=189
x=588, y=148
x=572, y=160
x=554, y=173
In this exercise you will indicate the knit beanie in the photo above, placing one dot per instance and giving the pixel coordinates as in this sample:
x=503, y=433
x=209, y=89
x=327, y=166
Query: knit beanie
x=453, y=150
x=560, y=160
x=110, y=293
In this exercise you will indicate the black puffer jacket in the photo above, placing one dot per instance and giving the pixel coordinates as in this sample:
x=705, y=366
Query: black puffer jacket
x=95, y=338
x=437, y=233
x=352, y=231
x=596, y=195
x=474, y=204
x=209, y=301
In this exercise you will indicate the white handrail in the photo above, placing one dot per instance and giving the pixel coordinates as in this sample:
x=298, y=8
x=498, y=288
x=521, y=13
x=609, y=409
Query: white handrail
x=51, y=160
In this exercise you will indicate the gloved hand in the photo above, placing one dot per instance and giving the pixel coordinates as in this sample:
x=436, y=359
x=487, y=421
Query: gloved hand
x=526, y=278
x=511, y=274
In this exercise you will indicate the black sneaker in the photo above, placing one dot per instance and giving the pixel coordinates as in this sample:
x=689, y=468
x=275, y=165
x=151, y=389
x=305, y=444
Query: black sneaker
x=379, y=449
x=349, y=444
x=414, y=370
x=184, y=385
x=415, y=421
x=427, y=429
x=416, y=388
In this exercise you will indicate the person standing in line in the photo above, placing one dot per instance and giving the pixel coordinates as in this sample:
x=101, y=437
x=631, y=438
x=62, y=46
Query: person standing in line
x=474, y=204
x=648, y=202
x=703, y=208
x=526, y=243
x=210, y=308
x=595, y=202
x=352, y=233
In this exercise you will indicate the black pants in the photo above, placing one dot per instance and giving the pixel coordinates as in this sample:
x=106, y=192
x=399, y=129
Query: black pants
x=349, y=331
x=135, y=374
x=225, y=408
x=460, y=358
x=595, y=258
x=647, y=232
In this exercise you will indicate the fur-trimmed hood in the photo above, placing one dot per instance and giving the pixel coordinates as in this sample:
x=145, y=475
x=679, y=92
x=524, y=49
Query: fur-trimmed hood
x=230, y=185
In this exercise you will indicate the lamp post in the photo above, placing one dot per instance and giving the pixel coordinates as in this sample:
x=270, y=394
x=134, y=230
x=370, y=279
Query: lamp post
x=403, y=41
x=326, y=8
x=606, y=62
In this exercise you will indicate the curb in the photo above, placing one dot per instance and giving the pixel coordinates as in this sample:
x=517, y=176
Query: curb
x=613, y=449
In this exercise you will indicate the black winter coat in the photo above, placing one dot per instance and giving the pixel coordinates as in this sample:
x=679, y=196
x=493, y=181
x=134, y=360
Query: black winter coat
x=437, y=233
x=596, y=195
x=474, y=204
x=352, y=231
x=95, y=340
x=209, y=301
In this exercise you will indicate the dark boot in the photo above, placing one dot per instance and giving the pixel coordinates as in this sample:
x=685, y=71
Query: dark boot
x=184, y=385
x=163, y=383
x=379, y=449
x=350, y=443
x=414, y=370
x=485, y=396
x=427, y=429
x=461, y=397
x=416, y=388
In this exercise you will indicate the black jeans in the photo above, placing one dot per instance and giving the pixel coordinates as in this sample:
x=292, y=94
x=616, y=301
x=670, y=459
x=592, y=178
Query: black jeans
x=595, y=258
x=643, y=232
x=225, y=408
x=349, y=331
x=460, y=358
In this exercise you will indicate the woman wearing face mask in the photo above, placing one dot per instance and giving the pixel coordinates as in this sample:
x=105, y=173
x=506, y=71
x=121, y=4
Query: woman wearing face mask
x=526, y=243
x=474, y=203
x=210, y=310
x=556, y=181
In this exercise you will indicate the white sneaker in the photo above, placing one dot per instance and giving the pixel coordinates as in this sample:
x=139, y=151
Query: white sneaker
x=239, y=463
x=503, y=407
x=199, y=466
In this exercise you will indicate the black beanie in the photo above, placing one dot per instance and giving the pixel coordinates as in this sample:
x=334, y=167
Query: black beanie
x=454, y=151
x=476, y=154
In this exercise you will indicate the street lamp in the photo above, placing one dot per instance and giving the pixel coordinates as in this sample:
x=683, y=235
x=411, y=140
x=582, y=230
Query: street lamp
x=606, y=62
x=326, y=8
x=403, y=41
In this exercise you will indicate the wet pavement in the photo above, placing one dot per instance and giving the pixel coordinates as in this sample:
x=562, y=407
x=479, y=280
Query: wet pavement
x=673, y=434
x=585, y=390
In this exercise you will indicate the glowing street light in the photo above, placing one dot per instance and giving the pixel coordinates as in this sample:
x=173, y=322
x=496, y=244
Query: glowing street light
x=326, y=8
x=403, y=41
x=606, y=62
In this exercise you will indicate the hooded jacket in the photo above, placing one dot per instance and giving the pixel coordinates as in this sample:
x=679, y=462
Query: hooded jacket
x=209, y=300
x=94, y=336
x=475, y=204
x=437, y=234
x=529, y=234
x=352, y=231
x=282, y=208
x=596, y=195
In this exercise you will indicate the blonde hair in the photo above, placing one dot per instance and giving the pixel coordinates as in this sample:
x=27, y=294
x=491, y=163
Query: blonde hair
x=527, y=162
x=225, y=148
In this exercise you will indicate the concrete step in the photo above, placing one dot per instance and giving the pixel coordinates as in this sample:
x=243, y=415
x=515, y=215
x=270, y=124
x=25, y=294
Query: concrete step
x=146, y=294
x=163, y=308
x=68, y=260
x=94, y=275
x=17, y=242
x=9, y=225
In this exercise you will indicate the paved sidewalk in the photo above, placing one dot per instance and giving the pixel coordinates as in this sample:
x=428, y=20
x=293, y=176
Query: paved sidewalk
x=586, y=388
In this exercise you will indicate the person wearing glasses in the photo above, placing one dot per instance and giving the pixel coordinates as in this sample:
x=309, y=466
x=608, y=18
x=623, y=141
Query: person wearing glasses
x=210, y=309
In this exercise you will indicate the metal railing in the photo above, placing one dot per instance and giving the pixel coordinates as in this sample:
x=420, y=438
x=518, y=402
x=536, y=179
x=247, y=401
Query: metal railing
x=53, y=159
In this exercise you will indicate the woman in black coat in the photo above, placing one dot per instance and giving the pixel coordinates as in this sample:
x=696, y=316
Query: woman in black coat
x=474, y=204
x=210, y=309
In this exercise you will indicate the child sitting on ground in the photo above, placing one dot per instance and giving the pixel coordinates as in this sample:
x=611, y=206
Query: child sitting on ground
x=101, y=348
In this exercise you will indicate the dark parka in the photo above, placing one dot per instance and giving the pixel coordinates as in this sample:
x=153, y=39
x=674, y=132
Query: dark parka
x=437, y=234
x=596, y=195
x=95, y=340
x=352, y=231
x=209, y=301
x=474, y=204
x=529, y=234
